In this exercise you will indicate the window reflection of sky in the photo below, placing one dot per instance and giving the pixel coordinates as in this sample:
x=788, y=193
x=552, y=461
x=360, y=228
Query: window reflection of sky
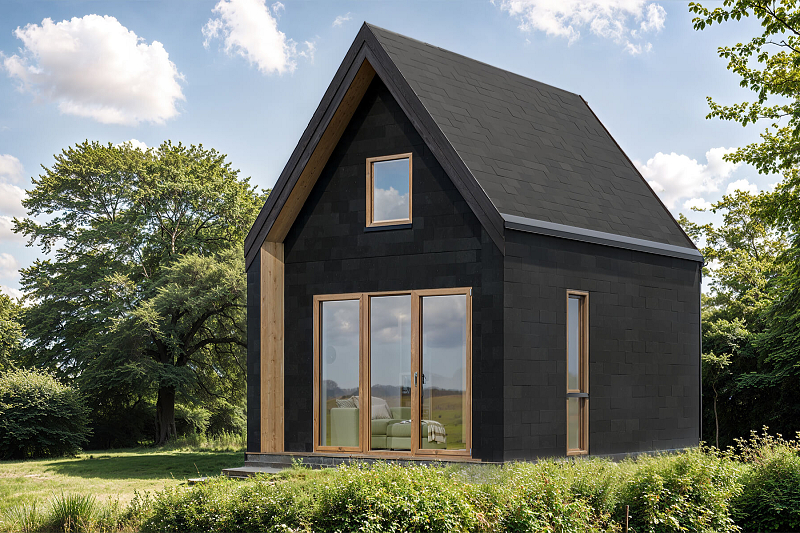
x=390, y=196
x=443, y=338
x=340, y=323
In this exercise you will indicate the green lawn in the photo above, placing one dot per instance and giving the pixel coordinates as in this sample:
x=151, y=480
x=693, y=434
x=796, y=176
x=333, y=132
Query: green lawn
x=108, y=475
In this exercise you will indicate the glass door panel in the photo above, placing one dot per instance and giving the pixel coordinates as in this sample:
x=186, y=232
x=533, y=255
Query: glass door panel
x=443, y=367
x=339, y=365
x=390, y=372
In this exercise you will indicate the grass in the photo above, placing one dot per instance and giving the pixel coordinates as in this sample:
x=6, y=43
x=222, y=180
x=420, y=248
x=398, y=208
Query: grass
x=108, y=475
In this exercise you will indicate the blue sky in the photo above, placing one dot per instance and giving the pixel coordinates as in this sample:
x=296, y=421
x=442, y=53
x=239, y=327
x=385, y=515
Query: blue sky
x=244, y=77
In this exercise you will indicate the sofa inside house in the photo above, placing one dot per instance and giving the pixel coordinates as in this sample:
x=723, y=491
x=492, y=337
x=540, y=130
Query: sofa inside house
x=387, y=433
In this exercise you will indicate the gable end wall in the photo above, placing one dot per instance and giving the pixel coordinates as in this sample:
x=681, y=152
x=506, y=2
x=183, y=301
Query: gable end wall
x=328, y=251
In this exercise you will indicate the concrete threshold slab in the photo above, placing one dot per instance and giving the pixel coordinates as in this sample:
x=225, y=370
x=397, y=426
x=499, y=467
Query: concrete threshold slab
x=250, y=471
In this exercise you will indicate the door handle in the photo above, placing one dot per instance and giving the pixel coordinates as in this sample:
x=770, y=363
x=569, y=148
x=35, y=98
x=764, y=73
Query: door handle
x=415, y=379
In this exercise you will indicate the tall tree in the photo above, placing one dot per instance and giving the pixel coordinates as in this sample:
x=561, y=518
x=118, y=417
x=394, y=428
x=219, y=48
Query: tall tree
x=744, y=269
x=769, y=66
x=145, y=290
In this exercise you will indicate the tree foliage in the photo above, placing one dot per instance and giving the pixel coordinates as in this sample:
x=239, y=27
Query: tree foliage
x=769, y=66
x=744, y=268
x=10, y=332
x=751, y=318
x=145, y=291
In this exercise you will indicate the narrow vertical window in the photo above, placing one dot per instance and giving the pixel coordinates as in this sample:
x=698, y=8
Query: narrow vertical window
x=389, y=190
x=577, y=373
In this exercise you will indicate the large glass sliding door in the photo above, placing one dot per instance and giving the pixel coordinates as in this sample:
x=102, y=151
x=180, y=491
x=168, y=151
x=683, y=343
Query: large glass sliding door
x=390, y=370
x=337, y=385
x=443, y=365
x=393, y=372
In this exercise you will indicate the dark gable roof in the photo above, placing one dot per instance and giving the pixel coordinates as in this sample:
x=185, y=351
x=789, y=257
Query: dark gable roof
x=538, y=152
x=525, y=156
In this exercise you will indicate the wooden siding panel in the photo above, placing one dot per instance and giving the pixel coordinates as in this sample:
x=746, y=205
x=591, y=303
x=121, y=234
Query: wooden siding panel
x=272, y=337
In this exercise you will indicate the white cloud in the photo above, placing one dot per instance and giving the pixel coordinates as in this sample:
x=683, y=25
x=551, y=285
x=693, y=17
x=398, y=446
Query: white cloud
x=742, y=185
x=14, y=293
x=390, y=204
x=698, y=203
x=277, y=7
x=676, y=176
x=10, y=168
x=341, y=19
x=6, y=232
x=11, y=198
x=308, y=53
x=134, y=144
x=95, y=67
x=622, y=21
x=249, y=28
x=9, y=266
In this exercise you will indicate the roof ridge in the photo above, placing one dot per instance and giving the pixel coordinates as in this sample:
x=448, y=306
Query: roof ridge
x=472, y=59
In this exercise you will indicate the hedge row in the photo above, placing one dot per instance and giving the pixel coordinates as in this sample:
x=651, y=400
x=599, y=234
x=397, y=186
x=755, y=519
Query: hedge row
x=758, y=489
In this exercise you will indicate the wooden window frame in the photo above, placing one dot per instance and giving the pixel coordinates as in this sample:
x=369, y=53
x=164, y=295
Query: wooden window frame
x=371, y=223
x=364, y=391
x=582, y=393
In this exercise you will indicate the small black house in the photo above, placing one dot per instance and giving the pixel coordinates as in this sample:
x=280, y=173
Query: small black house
x=458, y=262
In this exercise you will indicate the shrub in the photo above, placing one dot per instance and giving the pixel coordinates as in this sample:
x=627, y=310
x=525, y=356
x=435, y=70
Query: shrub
x=542, y=497
x=687, y=491
x=770, y=497
x=39, y=417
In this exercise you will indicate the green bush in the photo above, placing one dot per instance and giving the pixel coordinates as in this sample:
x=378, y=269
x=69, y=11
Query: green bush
x=700, y=490
x=688, y=491
x=770, y=497
x=39, y=417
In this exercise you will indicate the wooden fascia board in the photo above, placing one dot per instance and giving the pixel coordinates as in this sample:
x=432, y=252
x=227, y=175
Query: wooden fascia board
x=311, y=136
x=436, y=140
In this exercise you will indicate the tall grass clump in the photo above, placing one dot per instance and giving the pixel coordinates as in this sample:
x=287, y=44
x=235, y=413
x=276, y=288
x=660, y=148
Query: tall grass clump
x=23, y=518
x=70, y=513
x=770, y=496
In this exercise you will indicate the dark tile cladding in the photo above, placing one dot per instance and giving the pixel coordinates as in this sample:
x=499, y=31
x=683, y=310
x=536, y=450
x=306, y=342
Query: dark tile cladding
x=538, y=151
x=327, y=251
x=254, y=355
x=644, y=347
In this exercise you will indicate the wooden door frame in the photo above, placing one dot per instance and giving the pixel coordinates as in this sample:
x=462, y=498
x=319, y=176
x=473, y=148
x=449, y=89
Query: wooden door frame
x=365, y=393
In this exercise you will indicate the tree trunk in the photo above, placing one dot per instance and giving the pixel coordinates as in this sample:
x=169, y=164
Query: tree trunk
x=165, y=415
x=716, y=417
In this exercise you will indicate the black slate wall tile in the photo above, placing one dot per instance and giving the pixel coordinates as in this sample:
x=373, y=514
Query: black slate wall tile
x=644, y=350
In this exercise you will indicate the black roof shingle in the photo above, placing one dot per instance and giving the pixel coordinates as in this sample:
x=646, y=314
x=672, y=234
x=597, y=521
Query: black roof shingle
x=537, y=151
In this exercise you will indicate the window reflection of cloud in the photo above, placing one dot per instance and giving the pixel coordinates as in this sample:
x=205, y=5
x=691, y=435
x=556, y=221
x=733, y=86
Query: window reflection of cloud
x=390, y=318
x=445, y=321
x=390, y=204
x=340, y=322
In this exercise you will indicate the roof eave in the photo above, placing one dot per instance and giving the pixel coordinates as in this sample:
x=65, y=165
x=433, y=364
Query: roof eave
x=562, y=231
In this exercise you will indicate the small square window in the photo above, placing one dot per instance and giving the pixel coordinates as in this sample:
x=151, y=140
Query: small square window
x=389, y=190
